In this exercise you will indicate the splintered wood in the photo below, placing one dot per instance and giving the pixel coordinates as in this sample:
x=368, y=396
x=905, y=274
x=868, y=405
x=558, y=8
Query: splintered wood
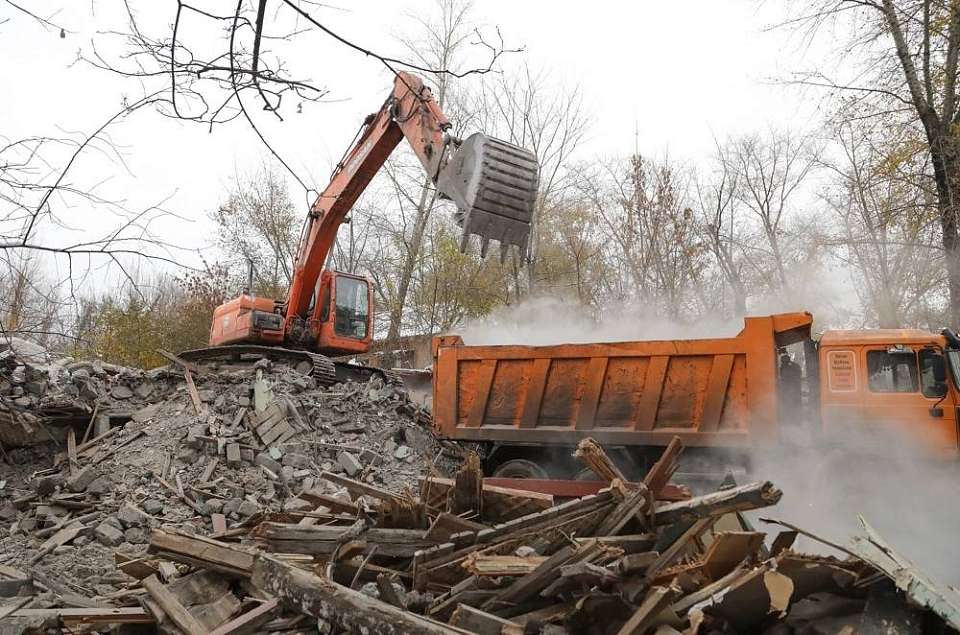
x=464, y=556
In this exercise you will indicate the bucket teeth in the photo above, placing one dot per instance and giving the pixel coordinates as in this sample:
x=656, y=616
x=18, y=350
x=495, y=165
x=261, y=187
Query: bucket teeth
x=494, y=184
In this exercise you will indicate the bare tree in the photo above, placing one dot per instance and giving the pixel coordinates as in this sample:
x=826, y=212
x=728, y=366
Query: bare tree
x=769, y=173
x=259, y=224
x=531, y=110
x=655, y=244
x=908, y=52
x=887, y=226
x=721, y=221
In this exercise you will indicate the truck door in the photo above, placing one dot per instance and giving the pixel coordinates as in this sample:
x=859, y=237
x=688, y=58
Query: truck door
x=906, y=393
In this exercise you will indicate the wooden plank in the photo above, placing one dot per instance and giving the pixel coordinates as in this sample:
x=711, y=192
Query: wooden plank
x=249, y=622
x=184, y=364
x=194, y=395
x=678, y=546
x=534, y=397
x=446, y=524
x=650, y=398
x=480, y=622
x=592, y=455
x=466, y=495
x=564, y=488
x=62, y=537
x=361, y=489
x=735, y=499
x=658, y=599
x=172, y=607
x=596, y=373
x=665, y=467
x=76, y=616
x=209, y=553
x=531, y=584
x=485, y=374
x=333, y=603
x=334, y=504
x=716, y=392
x=503, y=503
x=72, y=451
x=208, y=469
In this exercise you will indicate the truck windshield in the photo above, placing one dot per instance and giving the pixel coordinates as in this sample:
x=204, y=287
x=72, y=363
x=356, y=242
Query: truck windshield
x=352, y=308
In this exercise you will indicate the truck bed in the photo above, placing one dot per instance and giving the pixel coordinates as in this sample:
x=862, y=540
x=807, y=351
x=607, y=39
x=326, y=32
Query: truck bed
x=710, y=392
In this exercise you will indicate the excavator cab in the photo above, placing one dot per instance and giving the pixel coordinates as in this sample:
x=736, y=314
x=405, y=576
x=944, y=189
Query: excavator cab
x=344, y=313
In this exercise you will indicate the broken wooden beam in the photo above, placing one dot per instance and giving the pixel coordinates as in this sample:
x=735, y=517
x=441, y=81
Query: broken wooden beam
x=201, y=552
x=594, y=457
x=335, y=604
x=167, y=601
x=735, y=499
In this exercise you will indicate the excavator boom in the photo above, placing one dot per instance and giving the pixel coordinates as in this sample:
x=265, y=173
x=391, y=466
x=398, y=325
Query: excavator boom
x=492, y=182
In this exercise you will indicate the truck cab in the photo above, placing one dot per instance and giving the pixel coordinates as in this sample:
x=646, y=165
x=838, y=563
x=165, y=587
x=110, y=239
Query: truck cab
x=890, y=386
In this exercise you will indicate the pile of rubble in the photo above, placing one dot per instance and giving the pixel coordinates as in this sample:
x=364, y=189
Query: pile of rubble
x=246, y=498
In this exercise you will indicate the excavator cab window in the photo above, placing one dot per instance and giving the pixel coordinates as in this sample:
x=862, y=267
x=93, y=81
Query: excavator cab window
x=352, y=308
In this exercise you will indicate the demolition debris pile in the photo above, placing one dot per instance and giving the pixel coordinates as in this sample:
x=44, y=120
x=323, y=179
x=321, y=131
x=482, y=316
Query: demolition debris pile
x=246, y=498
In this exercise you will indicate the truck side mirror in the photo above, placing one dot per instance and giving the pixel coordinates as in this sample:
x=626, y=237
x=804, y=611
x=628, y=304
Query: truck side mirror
x=939, y=369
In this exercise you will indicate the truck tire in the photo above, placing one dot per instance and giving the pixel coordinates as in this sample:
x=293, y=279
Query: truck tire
x=520, y=468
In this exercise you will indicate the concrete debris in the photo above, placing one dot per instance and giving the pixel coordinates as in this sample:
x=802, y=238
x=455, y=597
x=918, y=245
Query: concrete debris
x=253, y=500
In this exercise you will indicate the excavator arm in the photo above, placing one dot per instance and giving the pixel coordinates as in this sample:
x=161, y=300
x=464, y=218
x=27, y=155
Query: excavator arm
x=492, y=182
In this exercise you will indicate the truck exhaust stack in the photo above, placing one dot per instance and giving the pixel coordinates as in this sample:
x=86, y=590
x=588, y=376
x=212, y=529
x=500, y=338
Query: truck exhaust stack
x=494, y=184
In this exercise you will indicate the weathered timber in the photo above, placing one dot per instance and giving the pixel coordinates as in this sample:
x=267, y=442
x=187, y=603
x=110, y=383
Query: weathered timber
x=334, y=504
x=336, y=604
x=531, y=584
x=735, y=499
x=656, y=601
x=202, y=552
x=499, y=503
x=172, y=607
x=665, y=467
x=489, y=565
x=680, y=545
x=81, y=616
x=636, y=504
x=356, y=488
x=251, y=621
x=446, y=524
x=593, y=456
x=480, y=622
x=465, y=497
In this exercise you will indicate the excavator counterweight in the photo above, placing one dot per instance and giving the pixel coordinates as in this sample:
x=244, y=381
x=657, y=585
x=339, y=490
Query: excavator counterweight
x=494, y=184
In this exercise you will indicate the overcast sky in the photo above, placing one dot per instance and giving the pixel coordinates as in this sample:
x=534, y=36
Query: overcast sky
x=659, y=76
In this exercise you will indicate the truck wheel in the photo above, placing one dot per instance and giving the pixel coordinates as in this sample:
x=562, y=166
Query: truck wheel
x=520, y=468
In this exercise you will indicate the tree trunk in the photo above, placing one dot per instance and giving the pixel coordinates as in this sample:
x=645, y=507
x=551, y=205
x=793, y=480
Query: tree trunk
x=424, y=207
x=946, y=171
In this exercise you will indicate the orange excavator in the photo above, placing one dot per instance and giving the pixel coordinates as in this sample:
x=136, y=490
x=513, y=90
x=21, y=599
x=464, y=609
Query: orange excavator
x=493, y=184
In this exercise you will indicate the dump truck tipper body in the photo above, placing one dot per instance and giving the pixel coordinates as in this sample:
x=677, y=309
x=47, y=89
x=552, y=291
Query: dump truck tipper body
x=725, y=393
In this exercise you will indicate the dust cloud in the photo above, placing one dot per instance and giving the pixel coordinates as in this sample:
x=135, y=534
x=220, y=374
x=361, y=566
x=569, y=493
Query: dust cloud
x=549, y=320
x=907, y=495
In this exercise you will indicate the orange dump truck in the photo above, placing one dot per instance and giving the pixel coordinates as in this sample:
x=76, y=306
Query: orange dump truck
x=529, y=405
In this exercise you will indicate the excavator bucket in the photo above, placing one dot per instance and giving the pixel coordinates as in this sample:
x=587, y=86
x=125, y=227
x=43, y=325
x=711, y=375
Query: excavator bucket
x=494, y=184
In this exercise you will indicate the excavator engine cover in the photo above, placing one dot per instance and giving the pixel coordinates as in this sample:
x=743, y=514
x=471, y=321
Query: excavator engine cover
x=494, y=184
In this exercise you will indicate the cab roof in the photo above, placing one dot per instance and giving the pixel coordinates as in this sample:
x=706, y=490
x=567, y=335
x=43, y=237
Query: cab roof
x=879, y=336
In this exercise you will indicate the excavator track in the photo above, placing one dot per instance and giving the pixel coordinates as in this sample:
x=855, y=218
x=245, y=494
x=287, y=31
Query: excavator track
x=325, y=370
